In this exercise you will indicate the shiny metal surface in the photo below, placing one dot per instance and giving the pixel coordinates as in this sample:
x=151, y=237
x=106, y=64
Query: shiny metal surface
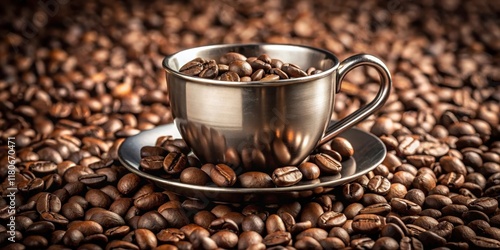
x=263, y=125
x=369, y=152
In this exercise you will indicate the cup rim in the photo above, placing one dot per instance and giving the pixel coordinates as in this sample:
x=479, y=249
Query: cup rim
x=328, y=55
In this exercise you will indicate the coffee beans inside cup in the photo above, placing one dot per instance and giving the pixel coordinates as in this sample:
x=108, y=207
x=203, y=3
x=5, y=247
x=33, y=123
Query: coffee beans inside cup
x=170, y=159
x=235, y=67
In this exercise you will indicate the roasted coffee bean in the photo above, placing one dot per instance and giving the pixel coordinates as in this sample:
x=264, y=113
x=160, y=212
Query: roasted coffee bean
x=240, y=67
x=331, y=219
x=340, y=233
x=274, y=223
x=98, y=198
x=424, y=182
x=128, y=183
x=370, y=199
x=255, y=179
x=93, y=180
x=148, y=151
x=311, y=212
x=31, y=186
x=43, y=167
x=22, y=223
x=487, y=205
x=431, y=239
x=192, y=68
x=414, y=230
x=286, y=176
x=223, y=224
x=111, y=191
x=334, y=154
x=48, y=203
x=223, y=175
x=248, y=239
x=316, y=233
x=231, y=56
x=193, y=175
x=393, y=231
x=352, y=210
x=353, y=192
x=153, y=221
x=279, y=72
x=174, y=162
x=121, y=244
x=257, y=75
x=479, y=242
x=270, y=77
x=293, y=71
x=145, y=239
x=462, y=233
x=225, y=239
x=437, y=201
x=230, y=77
x=379, y=185
x=40, y=227
x=343, y=146
x=362, y=243
x=107, y=219
x=379, y=209
x=443, y=229
x=452, y=164
x=204, y=218
x=176, y=217
x=309, y=170
x=150, y=201
x=35, y=242
x=278, y=238
x=479, y=226
x=86, y=227
x=425, y=222
x=210, y=70
x=407, y=145
x=386, y=243
x=408, y=243
x=431, y=212
x=307, y=242
x=170, y=235
x=254, y=223
x=152, y=163
x=72, y=211
x=327, y=164
x=367, y=223
x=474, y=215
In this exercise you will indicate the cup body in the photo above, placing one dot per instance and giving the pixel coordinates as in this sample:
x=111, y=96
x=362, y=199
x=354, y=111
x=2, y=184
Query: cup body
x=255, y=125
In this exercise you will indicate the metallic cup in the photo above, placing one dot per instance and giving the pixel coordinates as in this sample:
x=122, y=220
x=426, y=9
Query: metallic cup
x=264, y=125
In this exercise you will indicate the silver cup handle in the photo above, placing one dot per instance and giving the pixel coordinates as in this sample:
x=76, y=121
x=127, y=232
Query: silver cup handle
x=359, y=115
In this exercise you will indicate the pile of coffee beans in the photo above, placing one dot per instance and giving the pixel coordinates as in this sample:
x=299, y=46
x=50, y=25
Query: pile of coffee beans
x=235, y=67
x=78, y=77
x=170, y=159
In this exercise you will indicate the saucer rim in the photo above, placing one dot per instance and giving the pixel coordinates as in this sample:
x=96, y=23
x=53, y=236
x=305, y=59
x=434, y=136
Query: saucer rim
x=134, y=168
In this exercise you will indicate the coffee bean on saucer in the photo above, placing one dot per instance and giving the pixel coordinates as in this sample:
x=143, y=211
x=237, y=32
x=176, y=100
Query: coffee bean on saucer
x=327, y=164
x=286, y=176
x=174, y=162
x=152, y=163
x=153, y=151
x=255, y=179
x=343, y=146
x=309, y=170
x=195, y=176
x=223, y=176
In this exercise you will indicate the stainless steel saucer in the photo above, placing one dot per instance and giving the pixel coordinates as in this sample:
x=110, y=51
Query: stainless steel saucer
x=369, y=152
